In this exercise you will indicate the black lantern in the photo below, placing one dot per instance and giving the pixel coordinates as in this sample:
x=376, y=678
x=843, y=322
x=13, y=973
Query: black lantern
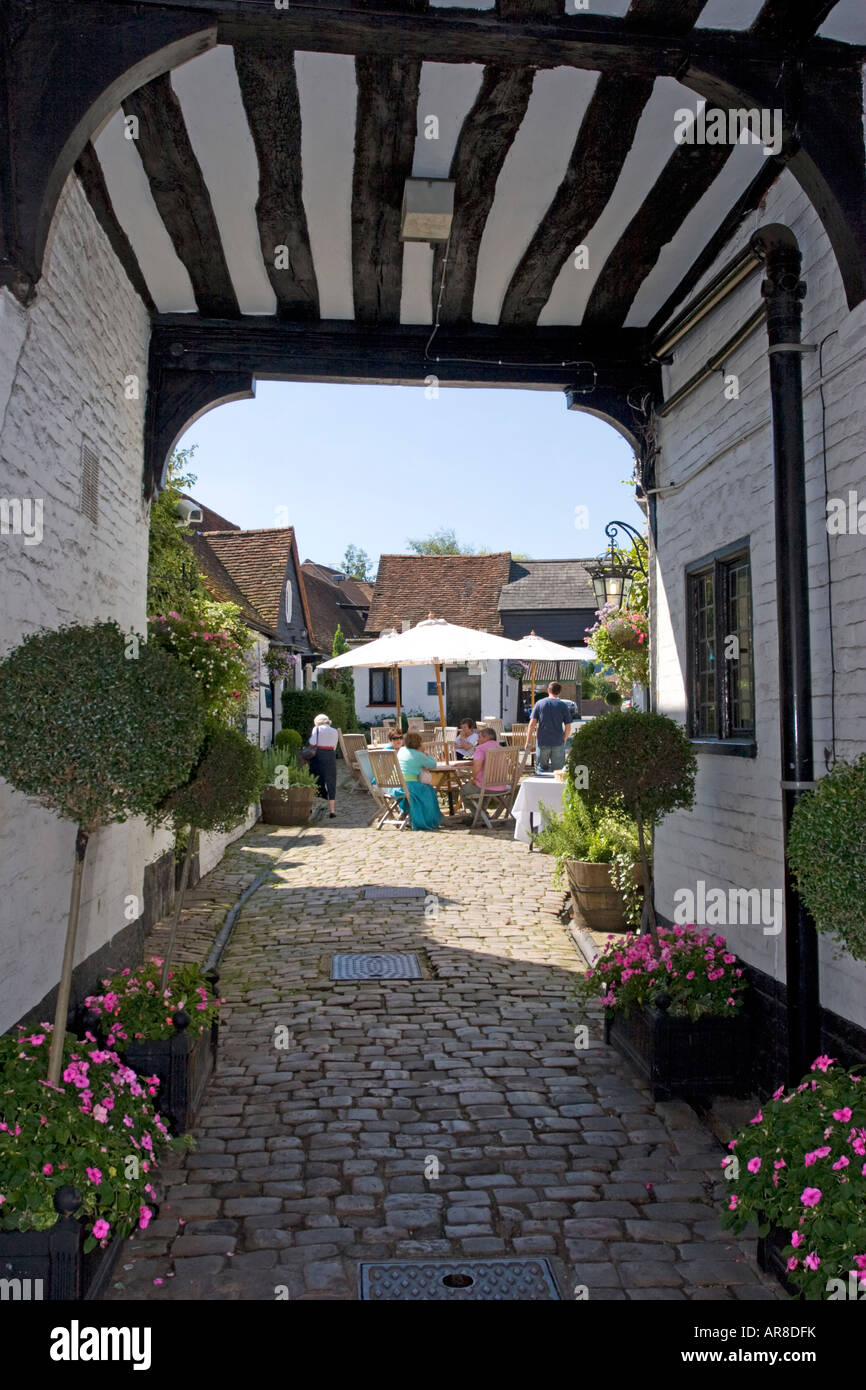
x=612, y=574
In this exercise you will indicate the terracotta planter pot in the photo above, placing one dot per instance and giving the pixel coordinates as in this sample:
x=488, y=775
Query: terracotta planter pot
x=597, y=904
x=289, y=806
x=679, y=1059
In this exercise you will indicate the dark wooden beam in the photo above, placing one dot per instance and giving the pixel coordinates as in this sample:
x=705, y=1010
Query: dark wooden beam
x=667, y=17
x=487, y=135
x=683, y=182
x=66, y=69
x=269, y=90
x=181, y=195
x=606, y=135
x=195, y=363
x=746, y=204
x=385, y=129
x=780, y=20
x=89, y=172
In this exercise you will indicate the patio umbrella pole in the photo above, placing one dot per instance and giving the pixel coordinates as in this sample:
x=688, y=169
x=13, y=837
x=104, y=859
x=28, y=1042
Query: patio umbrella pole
x=438, y=671
x=532, y=679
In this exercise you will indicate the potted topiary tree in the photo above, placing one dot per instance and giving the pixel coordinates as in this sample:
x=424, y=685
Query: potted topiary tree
x=96, y=726
x=827, y=854
x=685, y=1039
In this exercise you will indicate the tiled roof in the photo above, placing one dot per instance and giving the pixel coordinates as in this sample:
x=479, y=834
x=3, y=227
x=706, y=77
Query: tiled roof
x=258, y=562
x=540, y=584
x=220, y=584
x=324, y=597
x=356, y=591
x=211, y=520
x=462, y=589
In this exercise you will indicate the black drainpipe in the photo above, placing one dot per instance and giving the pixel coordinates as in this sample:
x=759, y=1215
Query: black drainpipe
x=783, y=292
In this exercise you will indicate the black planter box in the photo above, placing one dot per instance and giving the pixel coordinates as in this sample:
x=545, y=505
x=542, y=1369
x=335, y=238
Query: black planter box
x=52, y=1266
x=679, y=1059
x=184, y=1065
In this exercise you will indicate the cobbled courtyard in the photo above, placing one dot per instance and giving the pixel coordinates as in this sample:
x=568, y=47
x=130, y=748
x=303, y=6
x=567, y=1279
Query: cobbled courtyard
x=450, y=1116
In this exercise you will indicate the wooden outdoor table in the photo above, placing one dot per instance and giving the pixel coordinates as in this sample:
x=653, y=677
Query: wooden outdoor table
x=448, y=778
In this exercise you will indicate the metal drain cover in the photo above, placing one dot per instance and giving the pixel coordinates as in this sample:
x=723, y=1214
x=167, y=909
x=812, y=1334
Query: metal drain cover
x=473, y=1281
x=385, y=891
x=386, y=965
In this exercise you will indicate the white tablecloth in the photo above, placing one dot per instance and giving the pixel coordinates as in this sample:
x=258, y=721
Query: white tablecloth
x=534, y=793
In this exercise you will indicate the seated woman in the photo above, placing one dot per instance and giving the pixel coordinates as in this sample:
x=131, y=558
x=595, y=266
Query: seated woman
x=487, y=743
x=467, y=739
x=424, y=813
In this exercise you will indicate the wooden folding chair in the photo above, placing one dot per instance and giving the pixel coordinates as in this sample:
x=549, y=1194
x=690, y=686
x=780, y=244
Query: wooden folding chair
x=496, y=725
x=527, y=753
x=388, y=808
x=381, y=735
x=389, y=779
x=415, y=724
x=495, y=793
x=349, y=746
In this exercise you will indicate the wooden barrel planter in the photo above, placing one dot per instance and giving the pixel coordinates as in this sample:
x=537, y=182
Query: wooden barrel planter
x=287, y=806
x=597, y=903
x=51, y=1266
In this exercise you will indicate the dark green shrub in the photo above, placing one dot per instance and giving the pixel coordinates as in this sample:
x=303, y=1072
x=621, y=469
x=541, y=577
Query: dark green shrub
x=290, y=740
x=613, y=698
x=827, y=854
x=640, y=764
x=300, y=708
x=97, y=726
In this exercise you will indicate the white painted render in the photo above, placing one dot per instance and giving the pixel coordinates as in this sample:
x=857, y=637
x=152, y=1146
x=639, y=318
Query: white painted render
x=733, y=836
x=498, y=693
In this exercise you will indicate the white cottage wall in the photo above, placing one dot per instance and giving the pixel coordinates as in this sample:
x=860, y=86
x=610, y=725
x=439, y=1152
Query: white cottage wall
x=721, y=449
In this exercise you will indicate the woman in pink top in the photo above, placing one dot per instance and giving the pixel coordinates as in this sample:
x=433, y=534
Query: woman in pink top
x=486, y=744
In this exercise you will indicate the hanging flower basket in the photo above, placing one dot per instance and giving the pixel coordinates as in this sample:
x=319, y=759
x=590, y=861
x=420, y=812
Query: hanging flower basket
x=625, y=636
x=516, y=670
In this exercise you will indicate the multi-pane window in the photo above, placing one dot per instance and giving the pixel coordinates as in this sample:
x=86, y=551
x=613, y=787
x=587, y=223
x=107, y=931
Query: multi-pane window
x=721, y=670
x=383, y=686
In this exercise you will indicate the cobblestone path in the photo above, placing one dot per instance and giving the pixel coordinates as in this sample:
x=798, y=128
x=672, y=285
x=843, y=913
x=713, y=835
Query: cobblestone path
x=320, y=1154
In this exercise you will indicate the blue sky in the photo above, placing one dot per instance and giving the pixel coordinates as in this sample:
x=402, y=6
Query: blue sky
x=375, y=465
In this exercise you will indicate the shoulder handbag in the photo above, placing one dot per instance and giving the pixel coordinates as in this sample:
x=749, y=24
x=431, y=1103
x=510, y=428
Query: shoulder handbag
x=307, y=753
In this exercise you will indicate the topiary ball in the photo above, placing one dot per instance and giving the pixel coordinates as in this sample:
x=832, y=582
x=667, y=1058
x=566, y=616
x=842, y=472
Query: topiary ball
x=827, y=854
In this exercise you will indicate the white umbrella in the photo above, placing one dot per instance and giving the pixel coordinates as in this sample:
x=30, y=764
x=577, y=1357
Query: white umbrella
x=533, y=648
x=433, y=642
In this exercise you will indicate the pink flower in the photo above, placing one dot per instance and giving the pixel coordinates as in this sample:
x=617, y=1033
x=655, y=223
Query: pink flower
x=47, y=1169
x=841, y=1162
x=810, y=1196
x=101, y=1229
x=792, y=1262
x=812, y=1260
x=813, y=1157
x=753, y=1165
x=822, y=1063
x=779, y=1163
x=756, y=1119
x=796, y=1238
x=94, y=1175
x=144, y=1217
x=780, y=1092
x=157, y=1281
x=734, y=1202
x=100, y=1113
x=843, y=1114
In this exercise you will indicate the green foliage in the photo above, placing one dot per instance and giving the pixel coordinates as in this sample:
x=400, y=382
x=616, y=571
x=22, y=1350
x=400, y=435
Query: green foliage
x=343, y=681
x=799, y=1166
x=290, y=741
x=96, y=725
x=280, y=771
x=642, y=764
x=578, y=834
x=696, y=972
x=827, y=854
x=134, y=1005
x=300, y=708
x=441, y=542
x=620, y=640
x=594, y=685
x=215, y=659
x=613, y=698
x=357, y=565
x=75, y=1134
x=222, y=787
x=173, y=580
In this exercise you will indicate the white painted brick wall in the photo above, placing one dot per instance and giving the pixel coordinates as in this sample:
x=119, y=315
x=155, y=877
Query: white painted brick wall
x=62, y=369
x=733, y=836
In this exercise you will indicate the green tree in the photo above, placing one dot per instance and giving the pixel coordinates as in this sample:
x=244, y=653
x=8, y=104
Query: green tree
x=344, y=681
x=173, y=580
x=441, y=542
x=357, y=563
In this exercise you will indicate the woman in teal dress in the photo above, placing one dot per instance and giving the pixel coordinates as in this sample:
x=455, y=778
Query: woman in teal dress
x=424, y=813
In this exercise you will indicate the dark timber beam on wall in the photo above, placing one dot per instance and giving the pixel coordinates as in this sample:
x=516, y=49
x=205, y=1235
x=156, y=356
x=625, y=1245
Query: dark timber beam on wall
x=66, y=69
x=486, y=136
x=603, y=142
x=89, y=171
x=683, y=181
x=780, y=19
x=269, y=90
x=195, y=363
x=386, y=124
x=181, y=195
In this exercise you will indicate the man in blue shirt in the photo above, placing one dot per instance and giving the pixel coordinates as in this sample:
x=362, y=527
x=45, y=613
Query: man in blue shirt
x=551, y=718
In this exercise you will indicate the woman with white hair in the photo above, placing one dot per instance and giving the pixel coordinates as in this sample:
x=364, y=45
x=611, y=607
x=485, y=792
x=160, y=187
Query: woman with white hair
x=323, y=766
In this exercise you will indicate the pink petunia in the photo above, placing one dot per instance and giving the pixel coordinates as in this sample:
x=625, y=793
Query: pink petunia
x=756, y=1119
x=792, y=1262
x=822, y=1063
x=841, y=1162
x=812, y=1260
x=94, y=1175
x=796, y=1238
x=843, y=1114
x=753, y=1165
x=734, y=1202
x=47, y=1169
x=810, y=1196
x=101, y=1229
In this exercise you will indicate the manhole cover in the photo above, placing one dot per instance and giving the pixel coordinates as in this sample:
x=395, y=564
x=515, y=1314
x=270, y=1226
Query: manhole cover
x=385, y=891
x=474, y=1281
x=387, y=965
